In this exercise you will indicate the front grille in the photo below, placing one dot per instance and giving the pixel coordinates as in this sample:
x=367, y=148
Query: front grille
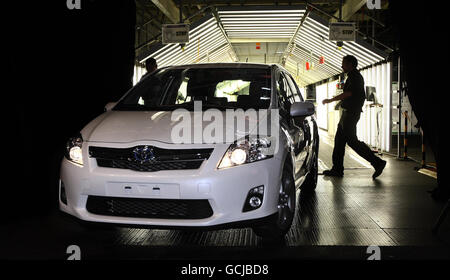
x=149, y=208
x=152, y=159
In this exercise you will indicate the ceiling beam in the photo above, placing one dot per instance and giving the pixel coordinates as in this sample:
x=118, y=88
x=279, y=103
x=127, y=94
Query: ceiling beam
x=291, y=43
x=349, y=9
x=224, y=33
x=169, y=9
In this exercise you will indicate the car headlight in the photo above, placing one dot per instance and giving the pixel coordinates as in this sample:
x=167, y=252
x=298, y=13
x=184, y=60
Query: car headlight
x=247, y=151
x=74, y=149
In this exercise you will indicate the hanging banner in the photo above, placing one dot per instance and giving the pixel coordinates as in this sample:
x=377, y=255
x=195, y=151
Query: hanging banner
x=342, y=31
x=175, y=33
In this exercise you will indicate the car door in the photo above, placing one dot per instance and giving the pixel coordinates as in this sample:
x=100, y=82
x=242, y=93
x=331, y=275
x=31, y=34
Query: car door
x=302, y=125
x=293, y=132
x=307, y=123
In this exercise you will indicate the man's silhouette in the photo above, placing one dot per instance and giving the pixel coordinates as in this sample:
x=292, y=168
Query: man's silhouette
x=352, y=101
x=151, y=66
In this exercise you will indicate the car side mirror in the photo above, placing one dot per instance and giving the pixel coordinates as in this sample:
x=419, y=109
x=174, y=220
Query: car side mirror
x=302, y=109
x=109, y=106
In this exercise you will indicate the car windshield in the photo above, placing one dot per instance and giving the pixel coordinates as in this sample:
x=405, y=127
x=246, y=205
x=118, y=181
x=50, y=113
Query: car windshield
x=221, y=88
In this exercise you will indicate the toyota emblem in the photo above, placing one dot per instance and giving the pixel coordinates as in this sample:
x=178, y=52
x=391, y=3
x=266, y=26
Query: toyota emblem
x=144, y=154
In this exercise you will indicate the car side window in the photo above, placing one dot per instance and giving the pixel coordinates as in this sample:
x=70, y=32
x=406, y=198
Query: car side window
x=289, y=91
x=294, y=89
x=283, y=101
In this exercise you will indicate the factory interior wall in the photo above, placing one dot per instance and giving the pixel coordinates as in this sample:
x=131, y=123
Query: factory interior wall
x=368, y=128
x=375, y=125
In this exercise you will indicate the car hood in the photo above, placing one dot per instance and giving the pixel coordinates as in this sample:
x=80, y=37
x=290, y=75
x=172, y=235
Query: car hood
x=127, y=126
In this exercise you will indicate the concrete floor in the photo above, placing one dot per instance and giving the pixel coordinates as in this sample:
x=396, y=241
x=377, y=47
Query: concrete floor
x=339, y=221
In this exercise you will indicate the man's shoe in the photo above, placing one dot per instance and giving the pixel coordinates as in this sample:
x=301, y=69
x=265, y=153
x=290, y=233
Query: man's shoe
x=379, y=169
x=333, y=173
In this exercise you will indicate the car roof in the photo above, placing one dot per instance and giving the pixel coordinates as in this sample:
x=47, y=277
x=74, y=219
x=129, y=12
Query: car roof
x=222, y=65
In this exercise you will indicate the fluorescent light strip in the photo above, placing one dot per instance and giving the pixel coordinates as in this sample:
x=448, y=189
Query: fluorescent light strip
x=191, y=57
x=329, y=56
x=268, y=19
x=260, y=28
x=328, y=46
x=171, y=59
x=262, y=11
x=259, y=16
x=192, y=34
x=189, y=50
x=225, y=23
x=228, y=27
x=271, y=30
x=260, y=31
x=324, y=31
x=323, y=71
x=317, y=72
x=210, y=21
x=246, y=36
x=191, y=54
x=210, y=38
x=325, y=67
x=213, y=57
x=260, y=23
x=219, y=52
x=366, y=51
x=353, y=46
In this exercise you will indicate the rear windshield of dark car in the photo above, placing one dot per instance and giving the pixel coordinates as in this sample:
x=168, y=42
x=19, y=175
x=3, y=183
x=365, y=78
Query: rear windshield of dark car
x=221, y=88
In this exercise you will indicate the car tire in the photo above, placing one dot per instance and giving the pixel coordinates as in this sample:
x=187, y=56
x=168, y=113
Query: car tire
x=310, y=183
x=277, y=227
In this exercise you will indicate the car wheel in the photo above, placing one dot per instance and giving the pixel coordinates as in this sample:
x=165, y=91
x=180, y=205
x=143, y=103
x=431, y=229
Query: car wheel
x=310, y=183
x=280, y=225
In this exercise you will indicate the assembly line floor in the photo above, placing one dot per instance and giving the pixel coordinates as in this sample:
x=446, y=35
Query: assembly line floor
x=339, y=221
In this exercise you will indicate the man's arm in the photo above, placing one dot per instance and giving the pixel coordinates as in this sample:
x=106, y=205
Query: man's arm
x=342, y=96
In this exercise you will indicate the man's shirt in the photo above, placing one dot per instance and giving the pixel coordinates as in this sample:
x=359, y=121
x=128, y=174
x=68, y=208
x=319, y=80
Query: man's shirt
x=354, y=84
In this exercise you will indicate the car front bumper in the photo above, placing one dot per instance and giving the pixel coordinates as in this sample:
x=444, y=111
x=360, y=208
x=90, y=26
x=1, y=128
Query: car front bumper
x=226, y=190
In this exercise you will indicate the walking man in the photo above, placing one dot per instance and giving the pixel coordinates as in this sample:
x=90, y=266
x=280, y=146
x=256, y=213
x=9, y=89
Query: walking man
x=352, y=101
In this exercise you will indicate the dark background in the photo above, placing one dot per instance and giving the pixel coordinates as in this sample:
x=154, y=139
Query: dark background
x=420, y=32
x=64, y=65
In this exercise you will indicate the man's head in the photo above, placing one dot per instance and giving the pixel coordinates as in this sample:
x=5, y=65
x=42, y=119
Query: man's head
x=150, y=64
x=349, y=62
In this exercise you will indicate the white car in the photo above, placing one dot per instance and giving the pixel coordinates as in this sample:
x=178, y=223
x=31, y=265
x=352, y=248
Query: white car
x=129, y=167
